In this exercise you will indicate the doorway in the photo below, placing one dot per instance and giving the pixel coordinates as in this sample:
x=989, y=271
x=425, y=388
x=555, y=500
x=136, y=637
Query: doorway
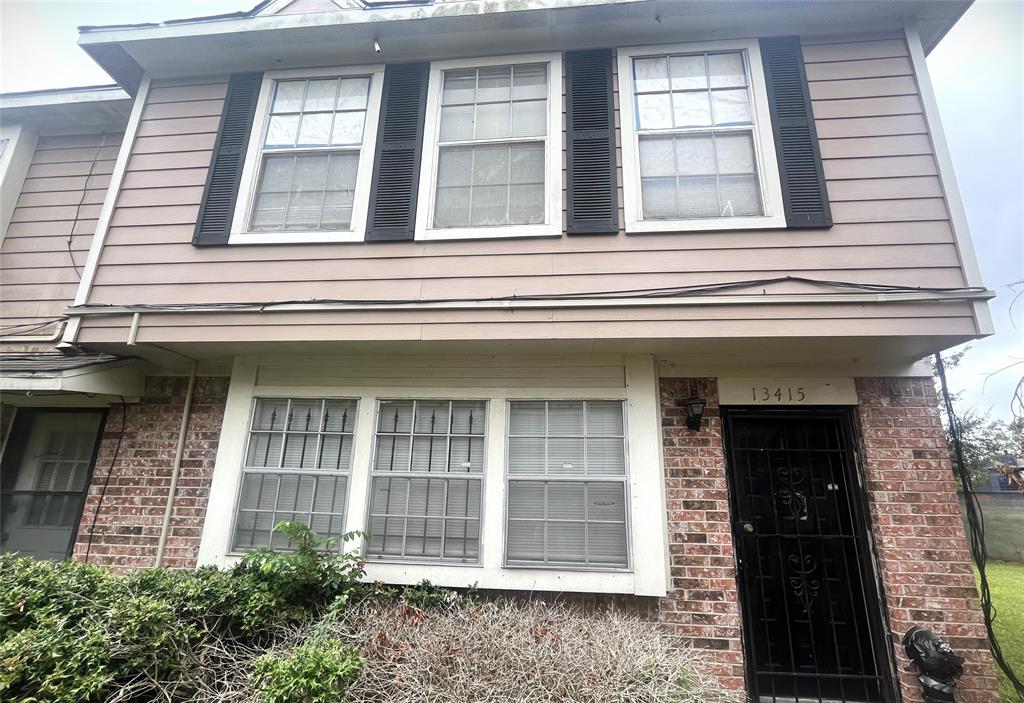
x=45, y=473
x=809, y=591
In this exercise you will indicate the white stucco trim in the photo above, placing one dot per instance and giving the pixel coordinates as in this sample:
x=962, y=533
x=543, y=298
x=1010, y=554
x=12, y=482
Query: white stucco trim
x=107, y=209
x=947, y=177
x=648, y=536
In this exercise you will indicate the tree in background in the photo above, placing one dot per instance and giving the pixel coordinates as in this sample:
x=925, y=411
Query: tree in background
x=984, y=439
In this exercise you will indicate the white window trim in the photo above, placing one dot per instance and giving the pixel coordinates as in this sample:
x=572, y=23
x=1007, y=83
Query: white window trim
x=647, y=518
x=482, y=477
x=254, y=153
x=764, y=144
x=552, y=226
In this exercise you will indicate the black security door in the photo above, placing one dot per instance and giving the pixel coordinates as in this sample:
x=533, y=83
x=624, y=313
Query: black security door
x=812, y=618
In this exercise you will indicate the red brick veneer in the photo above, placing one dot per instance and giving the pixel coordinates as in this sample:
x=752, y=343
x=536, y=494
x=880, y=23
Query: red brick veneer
x=128, y=525
x=919, y=537
x=703, y=604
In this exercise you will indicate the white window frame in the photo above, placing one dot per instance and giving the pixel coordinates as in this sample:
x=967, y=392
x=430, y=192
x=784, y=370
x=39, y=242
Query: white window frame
x=648, y=572
x=764, y=143
x=625, y=480
x=552, y=225
x=371, y=475
x=240, y=233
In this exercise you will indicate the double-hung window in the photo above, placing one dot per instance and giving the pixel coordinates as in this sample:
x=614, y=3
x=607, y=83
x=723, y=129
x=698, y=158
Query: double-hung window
x=566, y=499
x=296, y=467
x=310, y=157
x=492, y=156
x=697, y=142
x=426, y=479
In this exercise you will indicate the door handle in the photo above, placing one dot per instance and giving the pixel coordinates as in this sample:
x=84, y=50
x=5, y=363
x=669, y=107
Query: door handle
x=747, y=527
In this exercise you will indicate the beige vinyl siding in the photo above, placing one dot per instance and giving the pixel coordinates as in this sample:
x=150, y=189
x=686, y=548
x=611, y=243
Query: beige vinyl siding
x=60, y=200
x=891, y=226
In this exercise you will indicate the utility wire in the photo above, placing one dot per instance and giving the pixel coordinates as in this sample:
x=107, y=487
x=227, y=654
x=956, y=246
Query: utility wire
x=81, y=201
x=975, y=529
x=663, y=292
x=106, y=479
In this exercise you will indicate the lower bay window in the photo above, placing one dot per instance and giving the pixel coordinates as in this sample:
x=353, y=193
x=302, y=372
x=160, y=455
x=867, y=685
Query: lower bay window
x=503, y=488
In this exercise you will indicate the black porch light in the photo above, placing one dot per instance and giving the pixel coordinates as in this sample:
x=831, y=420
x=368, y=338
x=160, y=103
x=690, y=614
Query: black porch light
x=695, y=411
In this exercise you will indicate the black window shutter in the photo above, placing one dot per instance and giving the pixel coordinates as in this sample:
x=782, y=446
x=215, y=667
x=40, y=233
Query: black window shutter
x=593, y=203
x=214, y=224
x=796, y=141
x=396, y=173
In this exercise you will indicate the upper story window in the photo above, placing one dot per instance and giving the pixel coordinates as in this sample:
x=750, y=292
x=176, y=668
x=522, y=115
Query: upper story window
x=492, y=152
x=310, y=156
x=697, y=143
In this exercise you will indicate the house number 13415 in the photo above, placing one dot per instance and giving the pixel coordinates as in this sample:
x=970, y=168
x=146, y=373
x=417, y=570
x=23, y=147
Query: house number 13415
x=779, y=394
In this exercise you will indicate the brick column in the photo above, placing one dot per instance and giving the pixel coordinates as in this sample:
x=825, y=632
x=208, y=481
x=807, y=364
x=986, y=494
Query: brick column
x=703, y=605
x=926, y=568
x=127, y=528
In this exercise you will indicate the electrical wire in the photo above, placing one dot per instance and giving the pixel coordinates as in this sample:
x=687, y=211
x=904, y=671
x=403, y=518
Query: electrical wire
x=81, y=201
x=663, y=292
x=975, y=529
x=106, y=479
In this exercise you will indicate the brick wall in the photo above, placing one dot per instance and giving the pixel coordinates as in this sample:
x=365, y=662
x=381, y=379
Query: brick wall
x=127, y=528
x=919, y=536
x=703, y=605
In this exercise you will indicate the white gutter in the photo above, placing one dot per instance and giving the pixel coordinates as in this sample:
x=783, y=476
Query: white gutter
x=176, y=468
x=526, y=303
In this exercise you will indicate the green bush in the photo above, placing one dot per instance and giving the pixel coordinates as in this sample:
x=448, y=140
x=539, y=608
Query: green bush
x=75, y=632
x=311, y=673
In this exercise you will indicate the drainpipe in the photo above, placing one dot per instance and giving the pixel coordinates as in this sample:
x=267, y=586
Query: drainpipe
x=56, y=335
x=176, y=468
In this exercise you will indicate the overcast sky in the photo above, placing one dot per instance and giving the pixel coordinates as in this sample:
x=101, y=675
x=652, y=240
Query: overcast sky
x=977, y=70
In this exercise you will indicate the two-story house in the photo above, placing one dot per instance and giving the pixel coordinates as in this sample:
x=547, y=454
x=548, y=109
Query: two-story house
x=625, y=298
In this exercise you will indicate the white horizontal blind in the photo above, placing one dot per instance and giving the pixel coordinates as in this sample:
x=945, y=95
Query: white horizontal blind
x=491, y=148
x=566, y=501
x=695, y=126
x=311, y=150
x=426, y=480
x=296, y=467
x=61, y=478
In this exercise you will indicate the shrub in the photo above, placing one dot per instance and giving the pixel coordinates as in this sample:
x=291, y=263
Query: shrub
x=298, y=628
x=76, y=632
x=310, y=673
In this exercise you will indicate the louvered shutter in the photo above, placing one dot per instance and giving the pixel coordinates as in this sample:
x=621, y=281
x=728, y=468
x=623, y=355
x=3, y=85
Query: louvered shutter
x=392, y=213
x=593, y=206
x=213, y=226
x=796, y=141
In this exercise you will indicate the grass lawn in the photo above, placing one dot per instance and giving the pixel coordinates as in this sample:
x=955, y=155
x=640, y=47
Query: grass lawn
x=1007, y=583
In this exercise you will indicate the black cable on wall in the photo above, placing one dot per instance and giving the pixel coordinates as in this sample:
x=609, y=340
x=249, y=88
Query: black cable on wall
x=975, y=529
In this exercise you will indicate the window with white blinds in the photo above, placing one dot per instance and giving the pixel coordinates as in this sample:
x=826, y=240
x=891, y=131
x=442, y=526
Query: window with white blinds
x=296, y=467
x=311, y=149
x=566, y=478
x=426, y=476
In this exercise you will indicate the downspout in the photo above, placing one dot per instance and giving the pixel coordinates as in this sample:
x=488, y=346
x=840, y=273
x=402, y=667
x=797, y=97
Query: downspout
x=176, y=467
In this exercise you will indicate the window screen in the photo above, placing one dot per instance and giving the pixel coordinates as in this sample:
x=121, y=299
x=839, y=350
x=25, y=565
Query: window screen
x=296, y=467
x=695, y=127
x=426, y=478
x=566, y=502
x=492, y=143
x=311, y=146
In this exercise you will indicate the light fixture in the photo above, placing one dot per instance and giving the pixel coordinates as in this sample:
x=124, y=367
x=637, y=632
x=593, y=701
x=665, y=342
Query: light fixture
x=376, y=48
x=695, y=411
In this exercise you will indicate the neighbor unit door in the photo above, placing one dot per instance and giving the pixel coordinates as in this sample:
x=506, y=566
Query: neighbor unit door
x=46, y=470
x=808, y=587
